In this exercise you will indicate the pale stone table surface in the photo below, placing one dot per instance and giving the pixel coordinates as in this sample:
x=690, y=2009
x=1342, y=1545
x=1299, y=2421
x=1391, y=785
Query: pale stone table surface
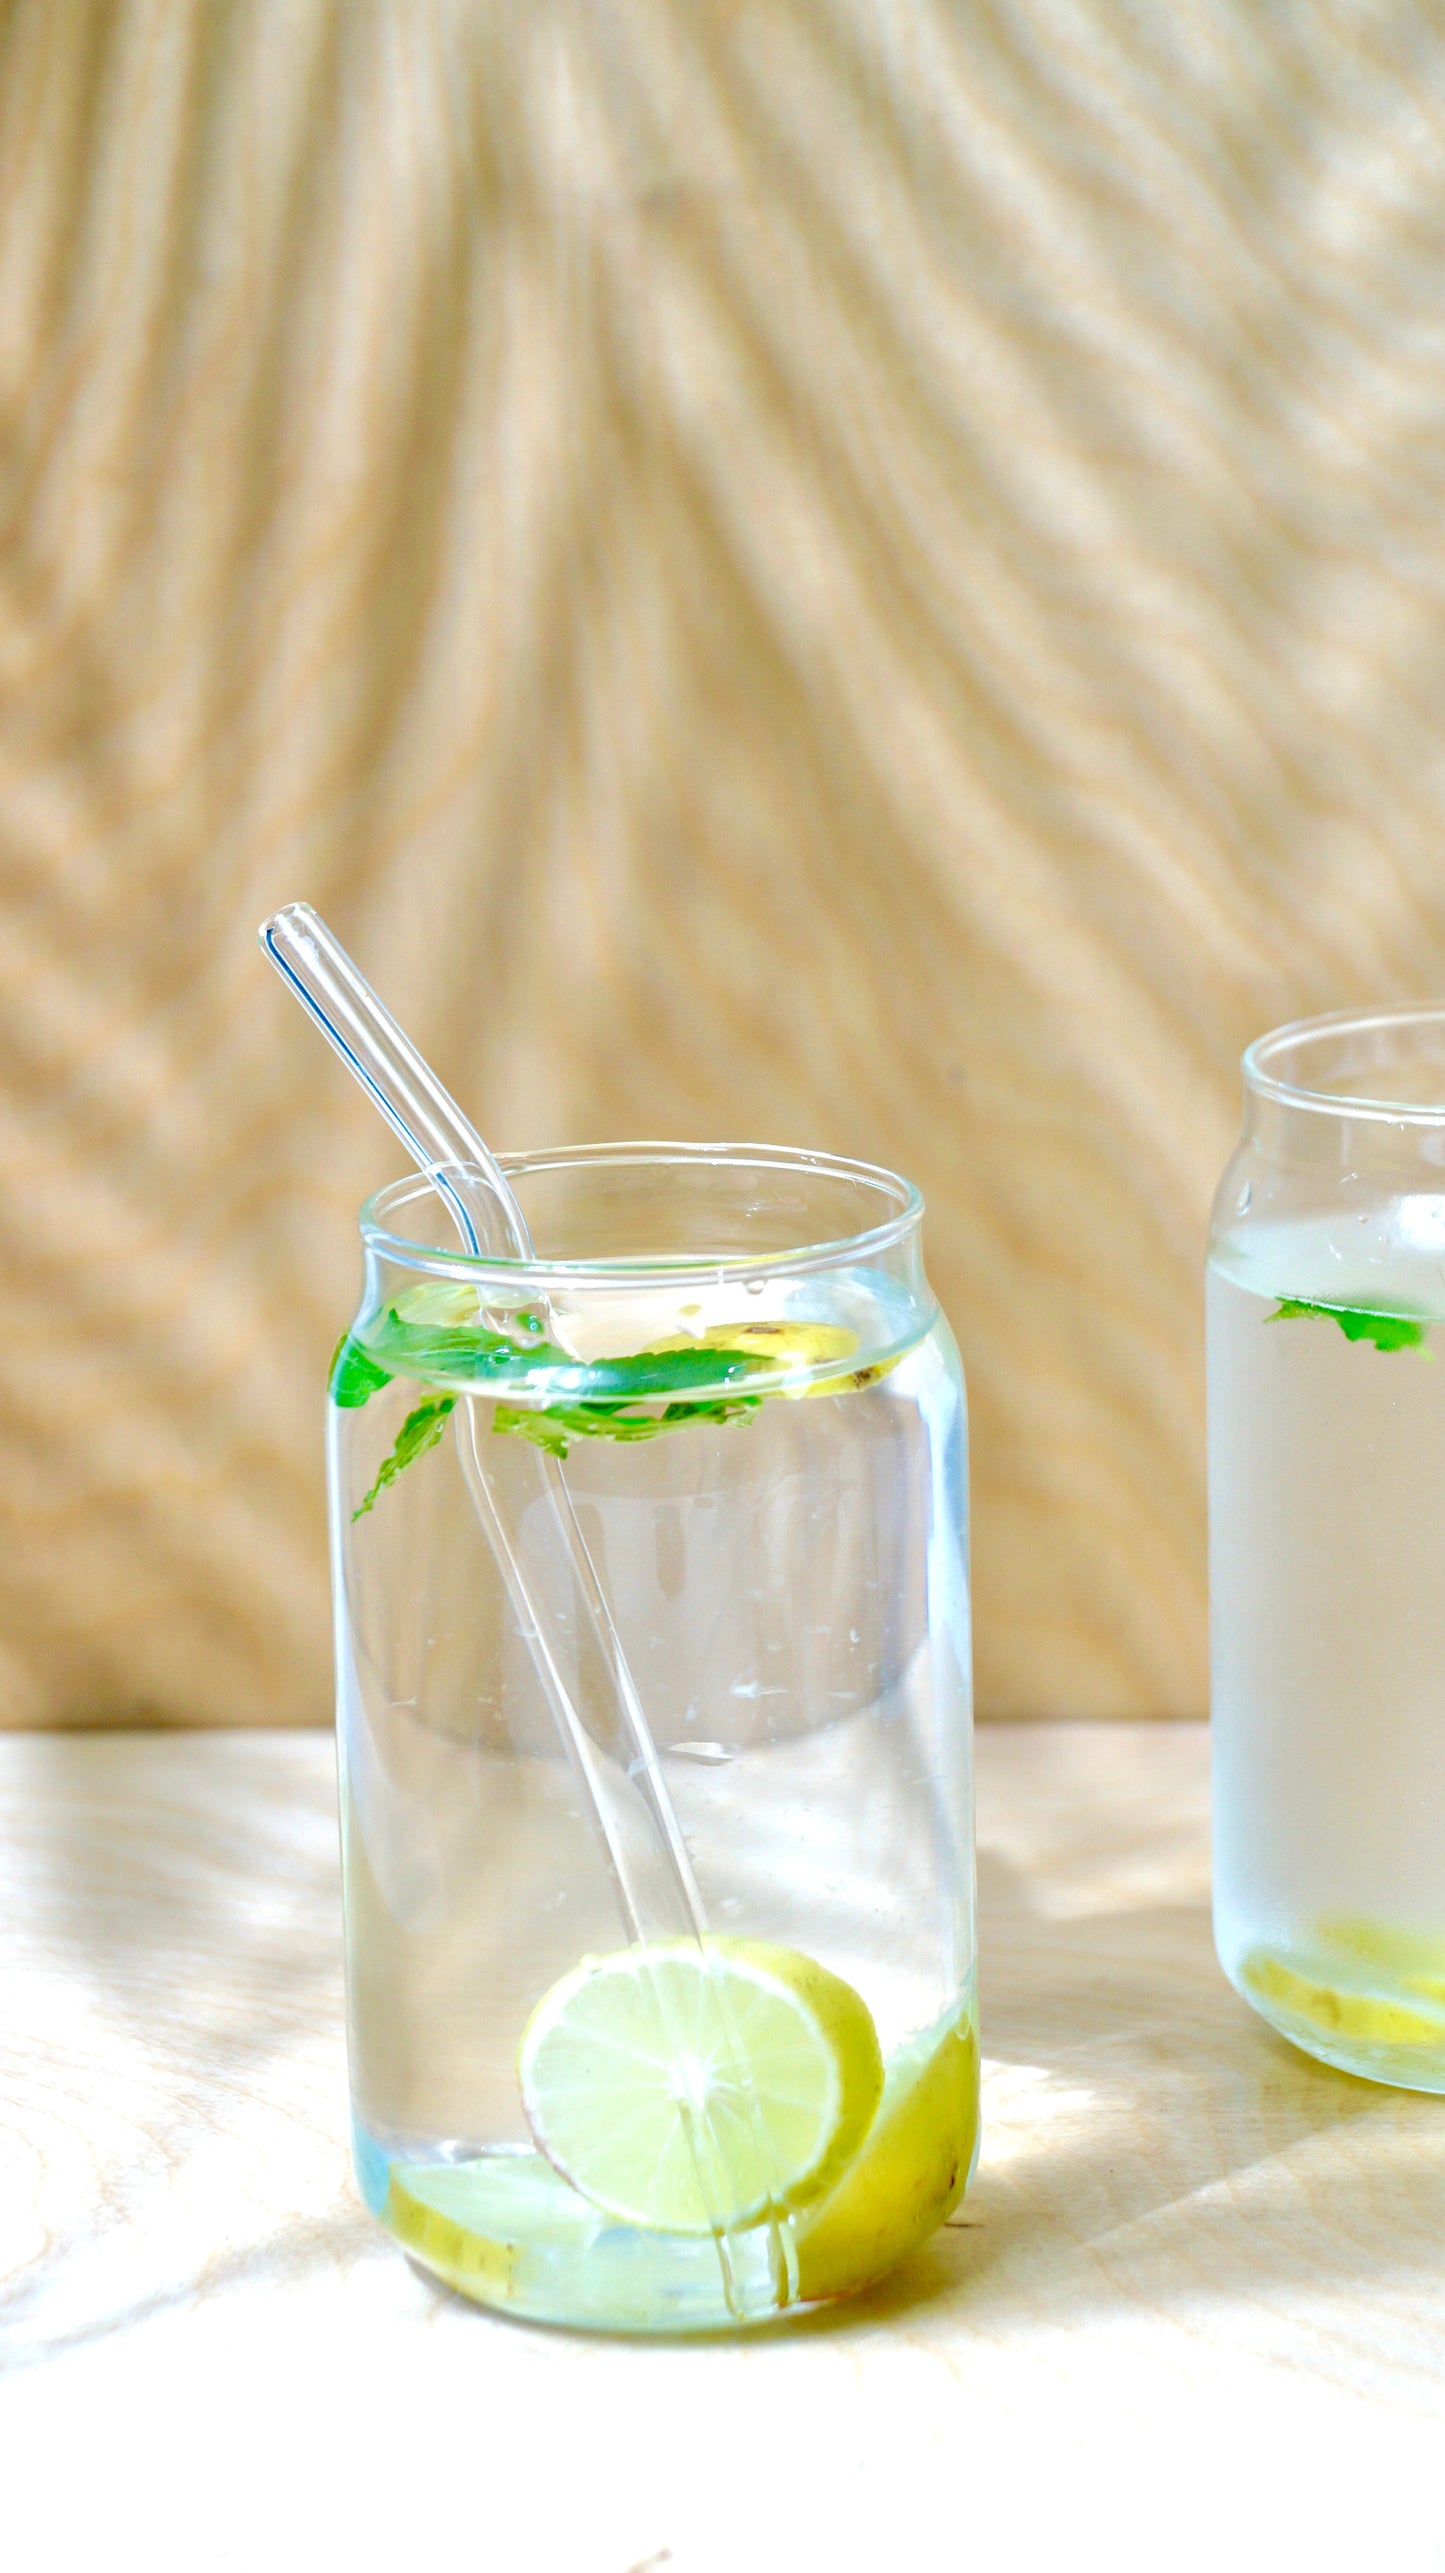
x=1193, y=2308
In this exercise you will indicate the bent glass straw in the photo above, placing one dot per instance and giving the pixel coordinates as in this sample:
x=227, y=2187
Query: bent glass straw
x=399, y=1081
x=652, y=1873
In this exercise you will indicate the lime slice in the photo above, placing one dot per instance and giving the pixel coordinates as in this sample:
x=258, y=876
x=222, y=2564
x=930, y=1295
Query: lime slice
x=680, y=2086
x=911, y=2172
x=1340, y=2009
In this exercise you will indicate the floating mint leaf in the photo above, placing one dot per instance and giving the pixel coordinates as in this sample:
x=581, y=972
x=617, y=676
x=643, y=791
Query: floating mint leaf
x=443, y=1339
x=429, y=1348
x=420, y=1430
x=671, y=1371
x=552, y=1429
x=353, y=1377
x=467, y=1353
x=1387, y=1330
x=546, y=1430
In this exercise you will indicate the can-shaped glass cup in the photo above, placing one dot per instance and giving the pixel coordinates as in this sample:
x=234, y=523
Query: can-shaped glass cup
x=653, y=1701
x=1326, y=1336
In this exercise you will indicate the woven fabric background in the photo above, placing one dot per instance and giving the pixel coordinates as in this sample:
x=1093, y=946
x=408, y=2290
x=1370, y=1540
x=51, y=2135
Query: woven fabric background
x=856, y=572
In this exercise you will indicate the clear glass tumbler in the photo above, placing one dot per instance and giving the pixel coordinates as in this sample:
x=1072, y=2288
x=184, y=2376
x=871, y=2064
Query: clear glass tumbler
x=708, y=1446
x=1326, y=1327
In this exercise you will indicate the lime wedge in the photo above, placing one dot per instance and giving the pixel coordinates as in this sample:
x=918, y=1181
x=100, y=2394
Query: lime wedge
x=1414, y=1960
x=473, y=2221
x=506, y=2230
x=911, y=2172
x=1341, y=2008
x=679, y=2085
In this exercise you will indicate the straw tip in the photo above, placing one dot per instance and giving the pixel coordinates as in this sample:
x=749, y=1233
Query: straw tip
x=290, y=917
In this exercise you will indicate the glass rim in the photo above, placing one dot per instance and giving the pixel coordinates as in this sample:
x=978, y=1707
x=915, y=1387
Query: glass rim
x=656, y=1269
x=1265, y=1084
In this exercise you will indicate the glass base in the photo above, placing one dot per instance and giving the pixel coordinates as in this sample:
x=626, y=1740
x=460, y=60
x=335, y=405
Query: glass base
x=505, y=2230
x=503, y=2227
x=1378, y=2034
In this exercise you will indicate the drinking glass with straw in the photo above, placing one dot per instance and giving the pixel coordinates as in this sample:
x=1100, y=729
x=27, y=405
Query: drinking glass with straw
x=742, y=1449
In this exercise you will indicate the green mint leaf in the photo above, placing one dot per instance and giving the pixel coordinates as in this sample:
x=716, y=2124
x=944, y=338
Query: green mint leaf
x=435, y=1349
x=464, y=1352
x=546, y=1430
x=352, y=1377
x=420, y=1430
x=552, y=1429
x=669, y=1371
x=1387, y=1330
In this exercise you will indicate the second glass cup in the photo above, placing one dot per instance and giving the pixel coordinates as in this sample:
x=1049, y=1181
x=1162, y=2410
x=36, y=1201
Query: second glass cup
x=1326, y=1306
x=709, y=1447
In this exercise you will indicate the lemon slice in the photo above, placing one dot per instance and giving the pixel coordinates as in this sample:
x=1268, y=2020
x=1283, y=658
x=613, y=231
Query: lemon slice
x=793, y=1345
x=681, y=2087
x=911, y=2172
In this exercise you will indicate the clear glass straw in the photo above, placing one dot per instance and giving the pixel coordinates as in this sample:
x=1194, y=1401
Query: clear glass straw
x=631, y=1807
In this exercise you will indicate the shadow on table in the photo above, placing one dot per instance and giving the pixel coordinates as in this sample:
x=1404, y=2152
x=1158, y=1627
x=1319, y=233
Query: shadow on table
x=178, y=1913
x=186, y=1887
x=1148, y=2140
x=1146, y=2135
x=281, y=2260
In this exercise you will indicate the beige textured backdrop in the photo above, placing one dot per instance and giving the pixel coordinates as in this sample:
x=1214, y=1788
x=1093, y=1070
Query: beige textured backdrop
x=863, y=572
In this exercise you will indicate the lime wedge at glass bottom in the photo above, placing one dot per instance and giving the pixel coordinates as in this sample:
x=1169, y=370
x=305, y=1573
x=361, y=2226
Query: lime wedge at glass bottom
x=1341, y=2009
x=911, y=2172
x=1412, y=1961
x=680, y=2086
x=473, y=2221
x=506, y=2230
